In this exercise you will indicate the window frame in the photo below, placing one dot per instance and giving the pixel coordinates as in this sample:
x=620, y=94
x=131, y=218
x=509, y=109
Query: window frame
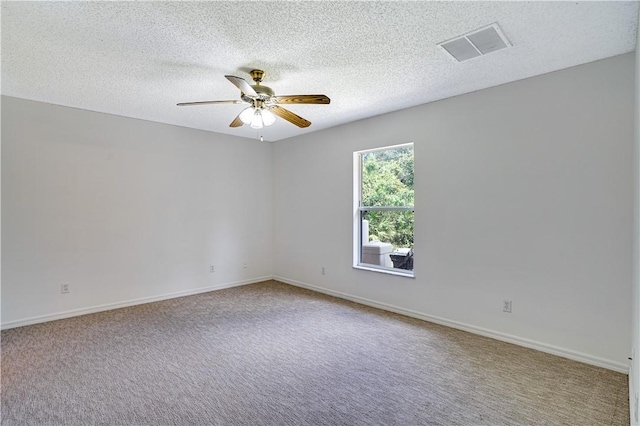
x=359, y=210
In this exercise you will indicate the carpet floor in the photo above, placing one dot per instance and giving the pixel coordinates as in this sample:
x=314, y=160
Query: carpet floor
x=273, y=354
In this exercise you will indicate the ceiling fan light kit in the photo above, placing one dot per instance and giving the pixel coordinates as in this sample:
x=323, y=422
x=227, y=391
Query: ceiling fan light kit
x=246, y=115
x=268, y=118
x=263, y=103
x=257, y=117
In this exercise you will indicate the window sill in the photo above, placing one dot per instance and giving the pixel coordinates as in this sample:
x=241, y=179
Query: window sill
x=389, y=271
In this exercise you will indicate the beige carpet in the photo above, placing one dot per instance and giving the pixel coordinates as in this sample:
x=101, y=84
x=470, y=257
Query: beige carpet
x=272, y=354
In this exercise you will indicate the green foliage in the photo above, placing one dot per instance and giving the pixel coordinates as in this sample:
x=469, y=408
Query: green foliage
x=387, y=180
x=395, y=227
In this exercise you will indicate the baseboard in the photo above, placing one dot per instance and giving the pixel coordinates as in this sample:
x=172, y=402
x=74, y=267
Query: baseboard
x=124, y=304
x=543, y=347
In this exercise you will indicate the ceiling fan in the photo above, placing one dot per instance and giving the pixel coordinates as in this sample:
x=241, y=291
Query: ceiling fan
x=264, y=105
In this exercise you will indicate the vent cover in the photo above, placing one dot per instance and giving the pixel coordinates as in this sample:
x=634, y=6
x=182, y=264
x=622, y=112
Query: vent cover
x=476, y=43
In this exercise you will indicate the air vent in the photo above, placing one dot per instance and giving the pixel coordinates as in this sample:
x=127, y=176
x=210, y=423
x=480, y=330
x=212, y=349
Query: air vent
x=476, y=43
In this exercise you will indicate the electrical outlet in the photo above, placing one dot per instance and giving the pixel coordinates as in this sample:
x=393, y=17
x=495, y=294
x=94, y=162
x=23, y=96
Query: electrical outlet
x=506, y=306
x=244, y=264
x=323, y=270
x=212, y=269
x=64, y=288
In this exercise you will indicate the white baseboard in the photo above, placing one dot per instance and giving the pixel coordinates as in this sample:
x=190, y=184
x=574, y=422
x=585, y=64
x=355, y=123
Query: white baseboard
x=124, y=304
x=543, y=347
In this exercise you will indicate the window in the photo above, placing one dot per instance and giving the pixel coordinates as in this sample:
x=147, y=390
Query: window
x=383, y=204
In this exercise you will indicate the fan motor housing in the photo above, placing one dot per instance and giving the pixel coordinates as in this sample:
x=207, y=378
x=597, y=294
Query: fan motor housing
x=264, y=92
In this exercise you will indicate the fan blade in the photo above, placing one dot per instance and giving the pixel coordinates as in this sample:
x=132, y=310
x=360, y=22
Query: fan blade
x=302, y=99
x=289, y=116
x=210, y=102
x=242, y=84
x=236, y=122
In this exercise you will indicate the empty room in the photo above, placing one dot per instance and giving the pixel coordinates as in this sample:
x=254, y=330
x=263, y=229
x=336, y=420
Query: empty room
x=320, y=213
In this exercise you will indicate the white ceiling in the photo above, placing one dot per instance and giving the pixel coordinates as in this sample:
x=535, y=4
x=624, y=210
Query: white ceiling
x=139, y=59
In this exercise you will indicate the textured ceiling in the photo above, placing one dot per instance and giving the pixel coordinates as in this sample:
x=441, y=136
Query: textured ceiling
x=139, y=59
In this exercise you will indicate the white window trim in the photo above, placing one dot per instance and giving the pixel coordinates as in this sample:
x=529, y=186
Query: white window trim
x=384, y=270
x=357, y=209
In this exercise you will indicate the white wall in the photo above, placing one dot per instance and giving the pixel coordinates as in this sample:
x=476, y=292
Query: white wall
x=124, y=209
x=634, y=374
x=523, y=192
